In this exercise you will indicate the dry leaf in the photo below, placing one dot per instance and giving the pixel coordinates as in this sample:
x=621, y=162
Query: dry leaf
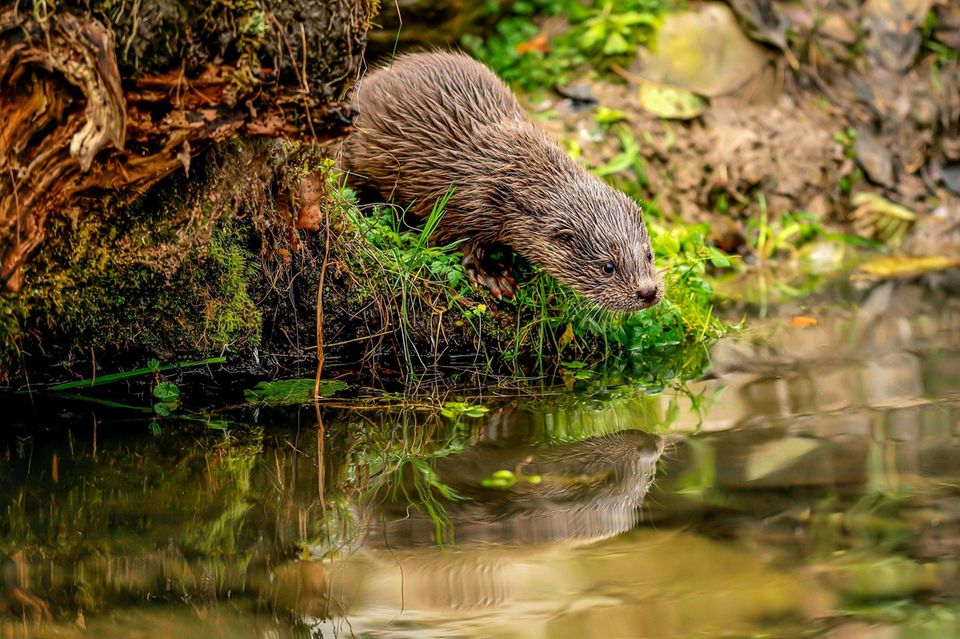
x=878, y=218
x=539, y=43
x=669, y=102
x=802, y=321
x=567, y=336
x=904, y=267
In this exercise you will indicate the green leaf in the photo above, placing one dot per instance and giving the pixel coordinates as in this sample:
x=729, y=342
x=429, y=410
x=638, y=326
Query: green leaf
x=217, y=424
x=153, y=366
x=672, y=103
x=668, y=245
x=717, y=257
x=615, y=44
x=500, y=479
x=291, y=391
x=166, y=391
x=455, y=409
x=607, y=116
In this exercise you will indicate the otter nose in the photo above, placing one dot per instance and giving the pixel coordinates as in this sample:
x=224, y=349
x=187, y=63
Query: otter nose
x=647, y=293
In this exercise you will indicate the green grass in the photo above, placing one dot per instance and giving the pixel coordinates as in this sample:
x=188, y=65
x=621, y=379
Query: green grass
x=552, y=326
x=152, y=368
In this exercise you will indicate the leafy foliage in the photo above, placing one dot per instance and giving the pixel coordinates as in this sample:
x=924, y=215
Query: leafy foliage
x=291, y=391
x=598, y=33
x=555, y=325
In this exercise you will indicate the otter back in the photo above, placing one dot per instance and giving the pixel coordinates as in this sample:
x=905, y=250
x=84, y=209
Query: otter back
x=432, y=122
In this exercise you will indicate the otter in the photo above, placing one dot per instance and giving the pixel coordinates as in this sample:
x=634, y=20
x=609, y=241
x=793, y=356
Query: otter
x=438, y=122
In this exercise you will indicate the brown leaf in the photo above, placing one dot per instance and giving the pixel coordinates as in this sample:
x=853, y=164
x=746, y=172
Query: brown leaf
x=539, y=43
x=567, y=336
x=803, y=321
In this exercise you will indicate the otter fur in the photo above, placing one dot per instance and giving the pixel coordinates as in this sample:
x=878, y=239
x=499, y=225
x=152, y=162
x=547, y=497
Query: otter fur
x=436, y=121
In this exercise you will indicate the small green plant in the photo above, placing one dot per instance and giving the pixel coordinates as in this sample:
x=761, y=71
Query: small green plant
x=618, y=29
x=847, y=139
x=464, y=409
x=944, y=55
x=167, y=396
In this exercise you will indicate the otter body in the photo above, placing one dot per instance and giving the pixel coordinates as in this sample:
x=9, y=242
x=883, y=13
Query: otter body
x=434, y=121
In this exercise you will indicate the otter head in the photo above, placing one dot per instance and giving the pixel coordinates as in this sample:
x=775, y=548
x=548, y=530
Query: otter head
x=592, y=238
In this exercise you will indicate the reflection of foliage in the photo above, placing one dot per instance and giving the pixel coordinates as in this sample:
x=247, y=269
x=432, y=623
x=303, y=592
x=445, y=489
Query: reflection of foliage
x=454, y=409
x=291, y=391
x=398, y=454
x=136, y=500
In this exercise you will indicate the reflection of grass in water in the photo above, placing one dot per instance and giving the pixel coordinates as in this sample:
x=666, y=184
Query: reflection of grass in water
x=182, y=514
x=925, y=620
x=398, y=455
x=395, y=451
x=603, y=410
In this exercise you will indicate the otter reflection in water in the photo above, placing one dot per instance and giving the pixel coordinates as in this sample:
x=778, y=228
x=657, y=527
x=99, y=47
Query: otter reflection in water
x=587, y=491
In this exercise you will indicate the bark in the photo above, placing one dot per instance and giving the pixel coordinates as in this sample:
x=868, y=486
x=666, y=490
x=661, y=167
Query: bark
x=96, y=97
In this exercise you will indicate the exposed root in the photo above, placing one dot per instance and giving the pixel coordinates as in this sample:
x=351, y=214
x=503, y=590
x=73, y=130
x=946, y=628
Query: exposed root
x=68, y=126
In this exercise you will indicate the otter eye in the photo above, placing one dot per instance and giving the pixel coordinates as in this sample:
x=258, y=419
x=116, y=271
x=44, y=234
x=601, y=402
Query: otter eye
x=649, y=255
x=609, y=268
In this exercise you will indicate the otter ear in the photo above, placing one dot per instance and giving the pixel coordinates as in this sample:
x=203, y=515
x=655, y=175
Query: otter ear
x=564, y=235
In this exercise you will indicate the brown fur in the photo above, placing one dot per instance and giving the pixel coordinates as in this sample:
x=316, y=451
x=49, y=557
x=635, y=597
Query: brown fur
x=434, y=120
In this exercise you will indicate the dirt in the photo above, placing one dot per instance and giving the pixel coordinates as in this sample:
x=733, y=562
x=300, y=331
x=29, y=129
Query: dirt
x=868, y=108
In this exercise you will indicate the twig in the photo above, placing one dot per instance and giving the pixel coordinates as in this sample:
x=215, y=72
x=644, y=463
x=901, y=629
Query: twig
x=323, y=272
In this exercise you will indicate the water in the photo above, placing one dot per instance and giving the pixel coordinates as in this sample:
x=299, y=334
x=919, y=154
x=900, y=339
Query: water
x=809, y=487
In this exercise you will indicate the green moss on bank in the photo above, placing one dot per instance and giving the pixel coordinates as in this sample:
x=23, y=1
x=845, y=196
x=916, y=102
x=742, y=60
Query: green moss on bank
x=218, y=267
x=169, y=280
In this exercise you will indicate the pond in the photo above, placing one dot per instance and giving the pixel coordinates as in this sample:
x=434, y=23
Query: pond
x=808, y=486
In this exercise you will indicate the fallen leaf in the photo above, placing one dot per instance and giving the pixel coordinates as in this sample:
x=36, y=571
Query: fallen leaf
x=567, y=336
x=672, y=103
x=904, y=267
x=802, y=321
x=878, y=218
x=538, y=43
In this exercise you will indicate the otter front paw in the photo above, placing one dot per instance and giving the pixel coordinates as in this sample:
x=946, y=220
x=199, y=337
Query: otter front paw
x=495, y=277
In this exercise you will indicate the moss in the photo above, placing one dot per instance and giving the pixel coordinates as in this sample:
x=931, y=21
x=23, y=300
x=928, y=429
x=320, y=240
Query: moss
x=216, y=265
x=230, y=316
x=167, y=280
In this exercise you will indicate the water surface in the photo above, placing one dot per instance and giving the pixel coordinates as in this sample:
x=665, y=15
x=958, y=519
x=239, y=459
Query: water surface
x=809, y=487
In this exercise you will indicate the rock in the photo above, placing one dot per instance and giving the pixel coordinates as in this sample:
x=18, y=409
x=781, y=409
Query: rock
x=578, y=92
x=950, y=176
x=704, y=51
x=894, y=36
x=874, y=158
